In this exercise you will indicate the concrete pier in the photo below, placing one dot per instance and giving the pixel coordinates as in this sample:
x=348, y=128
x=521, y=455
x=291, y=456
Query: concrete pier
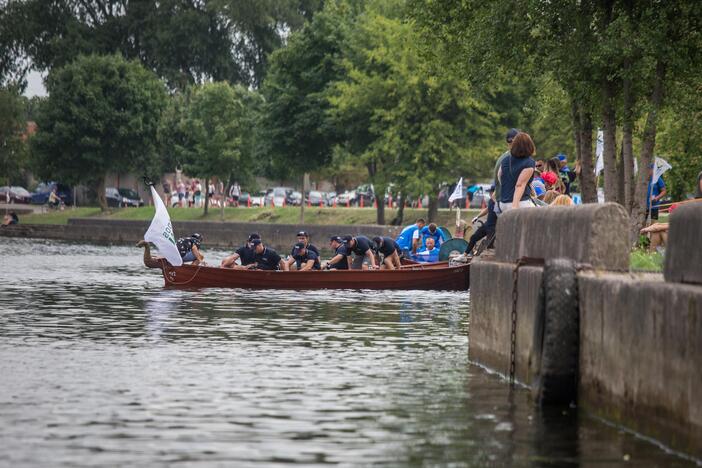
x=640, y=336
x=224, y=235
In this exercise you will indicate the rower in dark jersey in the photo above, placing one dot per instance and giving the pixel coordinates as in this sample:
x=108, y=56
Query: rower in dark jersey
x=302, y=237
x=360, y=246
x=305, y=258
x=386, y=247
x=340, y=260
x=267, y=258
x=245, y=254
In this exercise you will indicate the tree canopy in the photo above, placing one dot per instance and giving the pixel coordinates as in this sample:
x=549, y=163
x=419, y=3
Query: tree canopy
x=101, y=116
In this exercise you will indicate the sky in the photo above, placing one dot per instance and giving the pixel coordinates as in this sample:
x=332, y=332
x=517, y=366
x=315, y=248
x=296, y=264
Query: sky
x=35, y=85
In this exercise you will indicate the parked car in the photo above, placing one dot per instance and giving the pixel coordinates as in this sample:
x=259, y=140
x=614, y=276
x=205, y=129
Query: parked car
x=277, y=196
x=294, y=198
x=348, y=197
x=315, y=198
x=14, y=194
x=122, y=197
x=330, y=196
x=259, y=199
x=244, y=198
x=42, y=192
x=366, y=193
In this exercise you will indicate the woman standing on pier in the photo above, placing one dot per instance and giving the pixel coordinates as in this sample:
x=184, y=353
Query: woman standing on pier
x=516, y=173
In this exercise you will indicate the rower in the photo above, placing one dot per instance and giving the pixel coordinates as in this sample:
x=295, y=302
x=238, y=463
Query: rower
x=340, y=260
x=360, y=246
x=267, y=259
x=409, y=237
x=189, y=249
x=386, y=246
x=304, y=238
x=432, y=231
x=305, y=258
x=245, y=254
x=430, y=254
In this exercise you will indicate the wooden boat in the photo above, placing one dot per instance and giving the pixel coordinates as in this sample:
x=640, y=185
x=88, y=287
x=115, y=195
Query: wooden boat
x=429, y=276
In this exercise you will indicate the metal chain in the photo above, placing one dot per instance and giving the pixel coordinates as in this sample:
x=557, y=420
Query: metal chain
x=513, y=332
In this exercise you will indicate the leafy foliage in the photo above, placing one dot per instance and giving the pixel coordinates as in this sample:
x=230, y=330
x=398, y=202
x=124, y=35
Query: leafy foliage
x=12, y=126
x=101, y=116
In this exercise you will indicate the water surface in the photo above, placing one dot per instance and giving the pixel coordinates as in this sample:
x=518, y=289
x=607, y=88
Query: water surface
x=100, y=365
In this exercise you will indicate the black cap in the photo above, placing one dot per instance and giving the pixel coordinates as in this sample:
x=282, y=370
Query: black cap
x=492, y=188
x=337, y=239
x=511, y=133
x=300, y=245
x=254, y=235
x=378, y=240
x=255, y=241
x=303, y=234
x=347, y=239
x=197, y=236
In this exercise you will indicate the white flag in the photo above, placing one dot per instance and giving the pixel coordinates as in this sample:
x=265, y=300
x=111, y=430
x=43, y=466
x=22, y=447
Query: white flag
x=457, y=192
x=160, y=232
x=661, y=165
x=599, y=152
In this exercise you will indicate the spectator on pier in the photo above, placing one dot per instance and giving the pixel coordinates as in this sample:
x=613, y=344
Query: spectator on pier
x=566, y=175
x=550, y=196
x=487, y=228
x=654, y=192
x=515, y=175
x=235, y=193
x=562, y=200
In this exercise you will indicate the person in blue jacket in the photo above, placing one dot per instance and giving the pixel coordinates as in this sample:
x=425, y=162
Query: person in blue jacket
x=432, y=232
x=429, y=254
x=409, y=240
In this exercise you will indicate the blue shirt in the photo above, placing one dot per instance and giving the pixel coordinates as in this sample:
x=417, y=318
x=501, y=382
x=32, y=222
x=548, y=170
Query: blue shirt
x=654, y=192
x=427, y=255
x=404, y=240
x=438, y=236
x=511, y=169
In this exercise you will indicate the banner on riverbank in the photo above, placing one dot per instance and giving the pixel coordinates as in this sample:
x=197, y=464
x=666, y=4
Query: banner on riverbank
x=160, y=232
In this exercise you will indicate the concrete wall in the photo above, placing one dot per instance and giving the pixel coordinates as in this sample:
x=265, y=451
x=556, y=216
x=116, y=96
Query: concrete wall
x=640, y=337
x=225, y=235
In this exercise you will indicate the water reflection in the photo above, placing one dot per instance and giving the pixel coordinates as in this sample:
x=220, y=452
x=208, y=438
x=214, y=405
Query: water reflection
x=101, y=365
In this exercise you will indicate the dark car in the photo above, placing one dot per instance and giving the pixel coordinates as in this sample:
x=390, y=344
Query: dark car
x=14, y=194
x=42, y=192
x=122, y=197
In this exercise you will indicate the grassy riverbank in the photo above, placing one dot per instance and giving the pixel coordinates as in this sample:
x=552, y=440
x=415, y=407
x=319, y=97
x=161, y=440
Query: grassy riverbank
x=287, y=215
x=643, y=260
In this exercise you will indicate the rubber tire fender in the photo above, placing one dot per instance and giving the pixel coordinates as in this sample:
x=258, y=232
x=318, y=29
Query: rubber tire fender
x=557, y=335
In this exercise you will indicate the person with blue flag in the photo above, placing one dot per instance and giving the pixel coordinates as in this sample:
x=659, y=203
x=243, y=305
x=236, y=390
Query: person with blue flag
x=408, y=240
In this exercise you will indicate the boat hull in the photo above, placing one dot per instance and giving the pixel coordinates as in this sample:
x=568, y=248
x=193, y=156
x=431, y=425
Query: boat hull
x=423, y=277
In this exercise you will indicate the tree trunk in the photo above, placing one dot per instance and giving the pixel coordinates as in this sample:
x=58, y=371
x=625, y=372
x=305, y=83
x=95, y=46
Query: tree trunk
x=399, y=217
x=433, y=209
x=628, y=146
x=588, y=190
x=207, y=194
x=609, y=130
x=380, y=211
x=620, y=180
x=100, y=188
x=648, y=144
x=576, y=130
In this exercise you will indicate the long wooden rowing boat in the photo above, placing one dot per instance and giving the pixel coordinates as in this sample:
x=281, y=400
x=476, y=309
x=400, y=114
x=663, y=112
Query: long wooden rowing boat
x=434, y=276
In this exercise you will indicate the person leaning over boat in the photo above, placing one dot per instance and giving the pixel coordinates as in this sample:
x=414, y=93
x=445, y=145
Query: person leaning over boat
x=304, y=238
x=432, y=231
x=515, y=174
x=245, y=254
x=340, y=260
x=386, y=247
x=189, y=249
x=267, y=259
x=305, y=258
x=408, y=239
x=429, y=254
x=360, y=246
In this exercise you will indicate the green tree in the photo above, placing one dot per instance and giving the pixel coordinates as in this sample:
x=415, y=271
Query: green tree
x=12, y=125
x=298, y=133
x=102, y=115
x=211, y=129
x=408, y=124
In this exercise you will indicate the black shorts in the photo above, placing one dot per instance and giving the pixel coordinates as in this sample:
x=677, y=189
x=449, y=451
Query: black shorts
x=654, y=213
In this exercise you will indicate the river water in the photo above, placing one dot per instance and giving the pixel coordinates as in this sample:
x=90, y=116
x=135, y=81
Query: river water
x=100, y=365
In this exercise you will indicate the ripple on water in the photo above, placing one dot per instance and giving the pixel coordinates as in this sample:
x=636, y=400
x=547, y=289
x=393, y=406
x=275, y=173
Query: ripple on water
x=102, y=366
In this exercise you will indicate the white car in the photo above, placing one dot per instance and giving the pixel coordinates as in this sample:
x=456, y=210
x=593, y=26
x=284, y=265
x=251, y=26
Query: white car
x=259, y=199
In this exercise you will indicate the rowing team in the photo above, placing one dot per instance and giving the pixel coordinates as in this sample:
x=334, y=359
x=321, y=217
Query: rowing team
x=350, y=252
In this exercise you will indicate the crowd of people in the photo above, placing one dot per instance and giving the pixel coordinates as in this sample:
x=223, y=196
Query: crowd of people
x=348, y=252
x=191, y=194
